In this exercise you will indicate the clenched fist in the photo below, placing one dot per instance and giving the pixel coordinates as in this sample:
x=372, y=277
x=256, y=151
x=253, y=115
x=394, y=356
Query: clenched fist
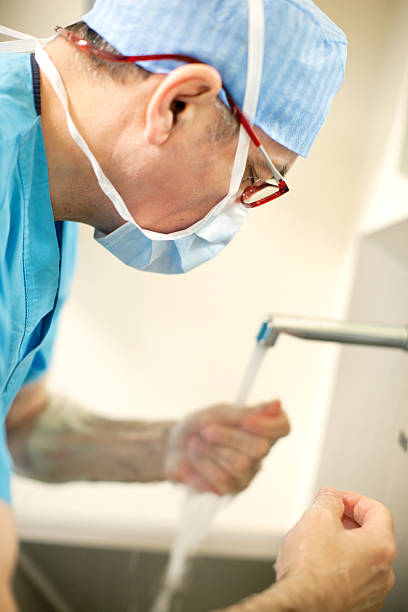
x=220, y=449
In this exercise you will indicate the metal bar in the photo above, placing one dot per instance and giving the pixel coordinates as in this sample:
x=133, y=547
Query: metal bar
x=328, y=330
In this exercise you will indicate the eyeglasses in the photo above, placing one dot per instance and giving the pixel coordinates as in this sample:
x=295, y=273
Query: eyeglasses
x=260, y=192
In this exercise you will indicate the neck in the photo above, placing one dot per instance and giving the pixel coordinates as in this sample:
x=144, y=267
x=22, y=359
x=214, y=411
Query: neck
x=74, y=191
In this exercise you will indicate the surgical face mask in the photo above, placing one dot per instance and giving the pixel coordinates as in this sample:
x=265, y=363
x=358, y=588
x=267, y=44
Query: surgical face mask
x=183, y=250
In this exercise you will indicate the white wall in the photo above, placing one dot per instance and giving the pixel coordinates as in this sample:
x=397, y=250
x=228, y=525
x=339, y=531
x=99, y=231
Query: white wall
x=152, y=347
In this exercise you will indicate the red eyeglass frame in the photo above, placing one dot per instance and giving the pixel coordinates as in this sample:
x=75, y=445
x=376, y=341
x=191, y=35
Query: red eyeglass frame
x=281, y=187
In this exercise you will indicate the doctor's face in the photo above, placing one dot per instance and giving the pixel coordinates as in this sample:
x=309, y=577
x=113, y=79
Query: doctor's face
x=179, y=182
x=168, y=145
x=165, y=141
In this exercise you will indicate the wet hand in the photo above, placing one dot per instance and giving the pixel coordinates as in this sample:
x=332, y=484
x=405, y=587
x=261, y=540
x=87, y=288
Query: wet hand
x=220, y=449
x=340, y=554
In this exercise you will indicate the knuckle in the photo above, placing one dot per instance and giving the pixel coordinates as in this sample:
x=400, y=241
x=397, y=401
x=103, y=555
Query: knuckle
x=391, y=551
x=224, y=477
x=383, y=555
x=247, y=481
x=391, y=580
x=387, y=512
x=286, y=426
x=319, y=514
x=262, y=448
x=387, y=551
x=242, y=463
x=213, y=429
x=198, y=483
x=242, y=483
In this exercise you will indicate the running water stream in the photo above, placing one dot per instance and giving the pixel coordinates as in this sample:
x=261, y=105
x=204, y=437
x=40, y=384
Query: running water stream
x=200, y=509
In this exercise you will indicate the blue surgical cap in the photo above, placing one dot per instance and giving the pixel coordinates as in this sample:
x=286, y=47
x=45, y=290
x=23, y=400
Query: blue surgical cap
x=304, y=53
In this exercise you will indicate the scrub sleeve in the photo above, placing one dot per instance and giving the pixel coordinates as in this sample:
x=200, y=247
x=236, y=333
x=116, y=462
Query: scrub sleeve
x=37, y=255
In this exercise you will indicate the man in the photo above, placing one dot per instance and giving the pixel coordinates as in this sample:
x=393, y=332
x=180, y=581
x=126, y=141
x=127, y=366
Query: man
x=144, y=150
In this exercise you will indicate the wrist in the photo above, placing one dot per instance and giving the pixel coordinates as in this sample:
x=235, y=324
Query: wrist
x=298, y=594
x=134, y=451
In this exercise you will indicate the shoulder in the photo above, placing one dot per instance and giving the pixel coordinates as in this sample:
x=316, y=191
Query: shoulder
x=17, y=109
x=18, y=119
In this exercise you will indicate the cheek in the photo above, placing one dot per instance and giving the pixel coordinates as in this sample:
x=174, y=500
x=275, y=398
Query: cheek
x=177, y=188
x=186, y=186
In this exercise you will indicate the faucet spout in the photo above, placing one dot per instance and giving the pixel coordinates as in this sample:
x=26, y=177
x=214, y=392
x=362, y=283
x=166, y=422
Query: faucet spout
x=328, y=330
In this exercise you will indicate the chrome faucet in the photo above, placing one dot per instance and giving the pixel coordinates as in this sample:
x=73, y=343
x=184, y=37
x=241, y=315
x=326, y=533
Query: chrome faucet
x=327, y=330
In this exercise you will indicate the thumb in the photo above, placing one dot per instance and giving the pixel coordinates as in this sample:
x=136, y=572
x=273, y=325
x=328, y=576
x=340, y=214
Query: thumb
x=330, y=499
x=269, y=409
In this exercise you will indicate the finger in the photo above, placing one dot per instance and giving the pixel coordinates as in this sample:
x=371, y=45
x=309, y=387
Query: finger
x=239, y=467
x=367, y=512
x=272, y=408
x=242, y=441
x=331, y=500
x=219, y=480
x=236, y=463
x=269, y=426
x=222, y=481
x=243, y=482
x=226, y=414
x=197, y=482
x=376, y=522
x=349, y=523
x=187, y=475
x=266, y=409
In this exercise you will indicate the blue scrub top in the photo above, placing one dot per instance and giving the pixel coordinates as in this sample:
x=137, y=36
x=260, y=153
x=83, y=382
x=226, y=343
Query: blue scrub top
x=37, y=255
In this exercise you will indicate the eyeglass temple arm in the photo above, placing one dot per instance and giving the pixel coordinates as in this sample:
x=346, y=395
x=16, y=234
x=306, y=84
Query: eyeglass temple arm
x=277, y=175
x=84, y=45
x=245, y=123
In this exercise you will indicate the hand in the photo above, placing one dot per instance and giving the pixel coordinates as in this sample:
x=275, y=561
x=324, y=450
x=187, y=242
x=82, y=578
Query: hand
x=342, y=549
x=220, y=449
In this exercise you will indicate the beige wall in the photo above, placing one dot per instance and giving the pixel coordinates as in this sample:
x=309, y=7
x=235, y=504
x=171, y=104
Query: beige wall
x=40, y=18
x=368, y=410
x=144, y=345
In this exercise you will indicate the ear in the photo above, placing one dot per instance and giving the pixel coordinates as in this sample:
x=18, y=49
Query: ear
x=194, y=84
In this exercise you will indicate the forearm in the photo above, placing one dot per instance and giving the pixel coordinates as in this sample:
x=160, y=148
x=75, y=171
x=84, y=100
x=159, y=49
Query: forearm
x=7, y=603
x=65, y=442
x=288, y=595
x=8, y=556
